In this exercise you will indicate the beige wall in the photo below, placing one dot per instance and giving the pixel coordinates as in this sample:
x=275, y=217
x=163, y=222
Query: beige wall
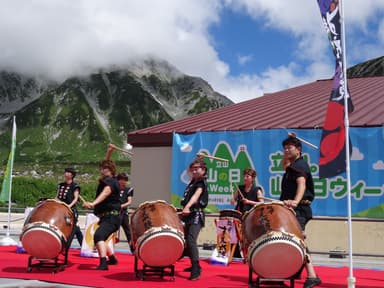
x=367, y=237
x=151, y=174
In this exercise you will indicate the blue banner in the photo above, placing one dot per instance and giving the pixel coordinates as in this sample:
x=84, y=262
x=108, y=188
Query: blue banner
x=262, y=150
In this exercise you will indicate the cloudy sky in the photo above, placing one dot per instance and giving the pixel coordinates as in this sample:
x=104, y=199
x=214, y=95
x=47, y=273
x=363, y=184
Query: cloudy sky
x=243, y=48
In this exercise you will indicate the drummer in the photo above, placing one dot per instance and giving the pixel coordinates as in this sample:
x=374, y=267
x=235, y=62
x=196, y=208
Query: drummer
x=194, y=201
x=247, y=195
x=68, y=192
x=126, y=197
x=297, y=192
x=107, y=207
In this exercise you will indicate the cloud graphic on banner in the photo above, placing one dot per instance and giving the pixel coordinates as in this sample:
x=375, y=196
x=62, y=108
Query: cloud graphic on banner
x=356, y=154
x=184, y=146
x=379, y=165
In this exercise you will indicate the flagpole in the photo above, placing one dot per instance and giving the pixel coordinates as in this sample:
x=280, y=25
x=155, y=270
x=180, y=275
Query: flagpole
x=351, y=280
x=7, y=240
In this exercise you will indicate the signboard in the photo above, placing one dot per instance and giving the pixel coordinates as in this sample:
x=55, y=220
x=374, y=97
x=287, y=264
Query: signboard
x=262, y=151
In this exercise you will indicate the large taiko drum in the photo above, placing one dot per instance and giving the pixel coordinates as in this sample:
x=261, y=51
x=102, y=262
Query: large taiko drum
x=273, y=241
x=47, y=229
x=157, y=234
x=230, y=214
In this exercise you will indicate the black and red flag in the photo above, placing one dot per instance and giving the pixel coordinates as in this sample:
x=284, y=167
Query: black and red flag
x=332, y=159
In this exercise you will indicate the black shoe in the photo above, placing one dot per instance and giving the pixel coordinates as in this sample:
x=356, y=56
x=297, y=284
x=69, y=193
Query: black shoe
x=112, y=260
x=312, y=282
x=102, y=267
x=195, y=272
x=194, y=276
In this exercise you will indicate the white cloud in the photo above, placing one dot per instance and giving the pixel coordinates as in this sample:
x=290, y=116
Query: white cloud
x=244, y=59
x=379, y=165
x=61, y=38
x=356, y=154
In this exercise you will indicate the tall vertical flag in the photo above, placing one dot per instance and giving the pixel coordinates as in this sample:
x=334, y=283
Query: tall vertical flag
x=332, y=160
x=5, y=194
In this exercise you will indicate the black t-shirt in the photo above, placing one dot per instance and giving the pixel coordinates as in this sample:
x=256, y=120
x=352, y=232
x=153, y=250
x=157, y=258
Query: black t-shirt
x=66, y=192
x=251, y=195
x=112, y=202
x=197, y=215
x=299, y=168
x=124, y=194
x=191, y=189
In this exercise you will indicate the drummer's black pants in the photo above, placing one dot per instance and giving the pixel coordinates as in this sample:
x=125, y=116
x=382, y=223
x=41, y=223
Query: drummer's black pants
x=192, y=232
x=107, y=225
x=124, y=223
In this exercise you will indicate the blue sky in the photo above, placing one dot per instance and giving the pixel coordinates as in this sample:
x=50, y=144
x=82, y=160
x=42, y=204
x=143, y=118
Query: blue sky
x=243, y=48
x=244, y=43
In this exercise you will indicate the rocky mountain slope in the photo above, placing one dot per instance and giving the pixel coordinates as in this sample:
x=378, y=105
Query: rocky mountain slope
x=75, y=119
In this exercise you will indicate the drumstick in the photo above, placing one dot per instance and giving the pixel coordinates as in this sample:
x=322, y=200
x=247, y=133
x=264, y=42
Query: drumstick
x=302, y=140
x=82, y=199
x=123, y=150
x=238, y=189
x=212, y=157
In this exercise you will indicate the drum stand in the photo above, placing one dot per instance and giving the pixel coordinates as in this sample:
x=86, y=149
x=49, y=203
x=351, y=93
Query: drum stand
x=154, y=271
x=56, y=263
x=263, y=282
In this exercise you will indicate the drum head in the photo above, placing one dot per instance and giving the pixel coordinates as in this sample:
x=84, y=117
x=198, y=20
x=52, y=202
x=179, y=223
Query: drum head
x=161, y=249
x=41, y=243
x=277, y=258
x=230, y=214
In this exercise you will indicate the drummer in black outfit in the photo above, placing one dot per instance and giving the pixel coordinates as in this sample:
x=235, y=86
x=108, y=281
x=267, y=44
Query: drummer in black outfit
x=297, y=192
x=107, y=207
x=126, y=194
x=194, y=201
x=248, y=194
x=68, y=192
x=126, y=197
x=245, y=198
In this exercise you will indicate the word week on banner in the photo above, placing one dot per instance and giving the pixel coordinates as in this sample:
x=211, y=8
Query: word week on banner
x=262, y=150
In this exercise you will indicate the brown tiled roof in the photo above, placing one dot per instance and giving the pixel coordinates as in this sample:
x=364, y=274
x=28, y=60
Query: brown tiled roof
x=299, y=107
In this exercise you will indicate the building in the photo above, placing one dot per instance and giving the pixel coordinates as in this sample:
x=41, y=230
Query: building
x=301, y=107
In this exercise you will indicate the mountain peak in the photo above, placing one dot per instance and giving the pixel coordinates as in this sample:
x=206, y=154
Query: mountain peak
x=74, y=119
x=160, y=68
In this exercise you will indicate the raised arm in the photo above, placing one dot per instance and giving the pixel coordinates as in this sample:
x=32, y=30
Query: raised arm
x=110, y=148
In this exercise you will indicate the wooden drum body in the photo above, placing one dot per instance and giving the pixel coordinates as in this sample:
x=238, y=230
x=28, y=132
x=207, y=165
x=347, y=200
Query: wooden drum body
x=273, y=241
x=157, y=234
x=230, y=214
x=47, y=229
